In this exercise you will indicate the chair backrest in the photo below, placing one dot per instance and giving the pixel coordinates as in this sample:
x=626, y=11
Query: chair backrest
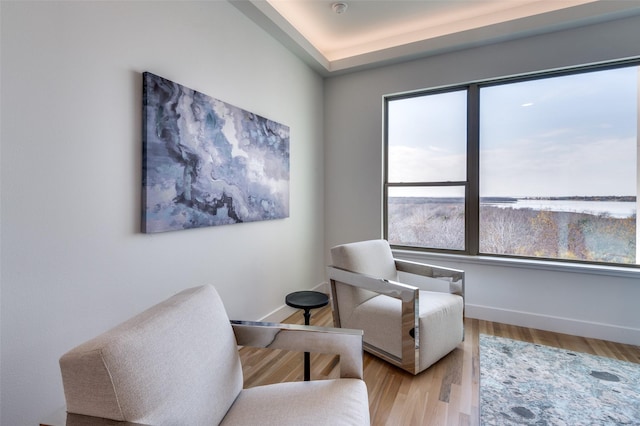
x=175, y=363
x=372, y=257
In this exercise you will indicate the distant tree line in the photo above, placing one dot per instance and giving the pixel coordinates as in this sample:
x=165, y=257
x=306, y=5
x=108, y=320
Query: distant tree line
x=519, y=232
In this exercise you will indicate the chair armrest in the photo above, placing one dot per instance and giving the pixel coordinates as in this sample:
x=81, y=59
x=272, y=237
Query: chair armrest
x=455, y=277
x=404, y=292
x=409, y=297
x=304, y=338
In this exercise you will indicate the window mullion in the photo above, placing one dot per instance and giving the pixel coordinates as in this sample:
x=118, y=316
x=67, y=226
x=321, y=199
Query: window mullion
x=472, y=210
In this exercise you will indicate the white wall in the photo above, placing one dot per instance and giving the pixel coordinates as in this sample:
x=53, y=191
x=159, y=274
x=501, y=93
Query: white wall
x=570, y=300
x=73, y=260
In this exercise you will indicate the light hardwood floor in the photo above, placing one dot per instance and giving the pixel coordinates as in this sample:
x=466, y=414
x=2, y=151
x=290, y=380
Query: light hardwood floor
x=445, y=394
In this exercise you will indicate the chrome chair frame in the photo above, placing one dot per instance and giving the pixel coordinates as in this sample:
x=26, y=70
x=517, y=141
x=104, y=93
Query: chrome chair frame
x=409, y=295
x=305, y=338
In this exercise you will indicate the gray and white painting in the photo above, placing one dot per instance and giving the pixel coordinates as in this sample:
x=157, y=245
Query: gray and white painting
x=208, y=163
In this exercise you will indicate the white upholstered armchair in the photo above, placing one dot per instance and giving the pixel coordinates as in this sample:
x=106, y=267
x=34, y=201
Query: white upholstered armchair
x=177, y=363
x=409, y=326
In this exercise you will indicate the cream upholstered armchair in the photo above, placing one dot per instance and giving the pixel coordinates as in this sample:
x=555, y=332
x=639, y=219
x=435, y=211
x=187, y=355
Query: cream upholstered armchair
x=177, y=363
x=410, y=326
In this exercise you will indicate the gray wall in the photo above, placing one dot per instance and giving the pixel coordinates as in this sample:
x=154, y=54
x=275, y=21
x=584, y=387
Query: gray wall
x=73, y=260
x=565, y=299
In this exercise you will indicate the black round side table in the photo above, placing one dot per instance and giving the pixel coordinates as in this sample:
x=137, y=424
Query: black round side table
x=307, y=300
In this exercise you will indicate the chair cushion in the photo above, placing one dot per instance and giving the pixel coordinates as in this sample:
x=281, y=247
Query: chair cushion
x=373, y=257
x=441, y=324
x=175, y=363
x=319, y=402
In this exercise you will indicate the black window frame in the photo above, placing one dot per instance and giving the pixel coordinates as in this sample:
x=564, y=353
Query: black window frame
x=472, y=183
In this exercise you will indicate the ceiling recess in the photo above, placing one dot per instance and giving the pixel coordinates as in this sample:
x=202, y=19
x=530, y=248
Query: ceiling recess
x=375, y=33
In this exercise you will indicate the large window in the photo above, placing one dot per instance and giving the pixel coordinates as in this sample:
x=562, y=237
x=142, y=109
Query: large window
x=543, y=167
x=427, y=156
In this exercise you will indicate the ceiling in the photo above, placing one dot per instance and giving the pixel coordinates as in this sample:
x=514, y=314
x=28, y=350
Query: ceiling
x=376, y=32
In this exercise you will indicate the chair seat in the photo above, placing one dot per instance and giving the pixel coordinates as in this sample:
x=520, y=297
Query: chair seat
x=441, y=326
x=341, y=402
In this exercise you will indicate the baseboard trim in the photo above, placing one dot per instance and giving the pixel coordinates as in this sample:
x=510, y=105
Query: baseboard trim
x=283, y=312
x=574, y=327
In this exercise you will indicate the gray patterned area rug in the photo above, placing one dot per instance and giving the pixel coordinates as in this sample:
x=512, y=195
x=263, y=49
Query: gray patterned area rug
x=528, y=384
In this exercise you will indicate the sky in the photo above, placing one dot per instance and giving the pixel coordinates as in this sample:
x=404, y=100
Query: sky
x=561, y=136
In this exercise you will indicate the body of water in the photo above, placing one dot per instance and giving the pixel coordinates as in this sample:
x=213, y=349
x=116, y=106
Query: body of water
x=620, y=209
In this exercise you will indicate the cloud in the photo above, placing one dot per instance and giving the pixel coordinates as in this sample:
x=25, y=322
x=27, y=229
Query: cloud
x=600, y=167
x=431, y=164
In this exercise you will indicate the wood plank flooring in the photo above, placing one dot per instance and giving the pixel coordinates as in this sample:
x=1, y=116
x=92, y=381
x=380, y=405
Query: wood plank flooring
x=445, y=394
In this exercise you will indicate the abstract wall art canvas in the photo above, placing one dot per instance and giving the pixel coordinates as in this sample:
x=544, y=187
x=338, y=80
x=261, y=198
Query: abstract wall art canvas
x=208, y=163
